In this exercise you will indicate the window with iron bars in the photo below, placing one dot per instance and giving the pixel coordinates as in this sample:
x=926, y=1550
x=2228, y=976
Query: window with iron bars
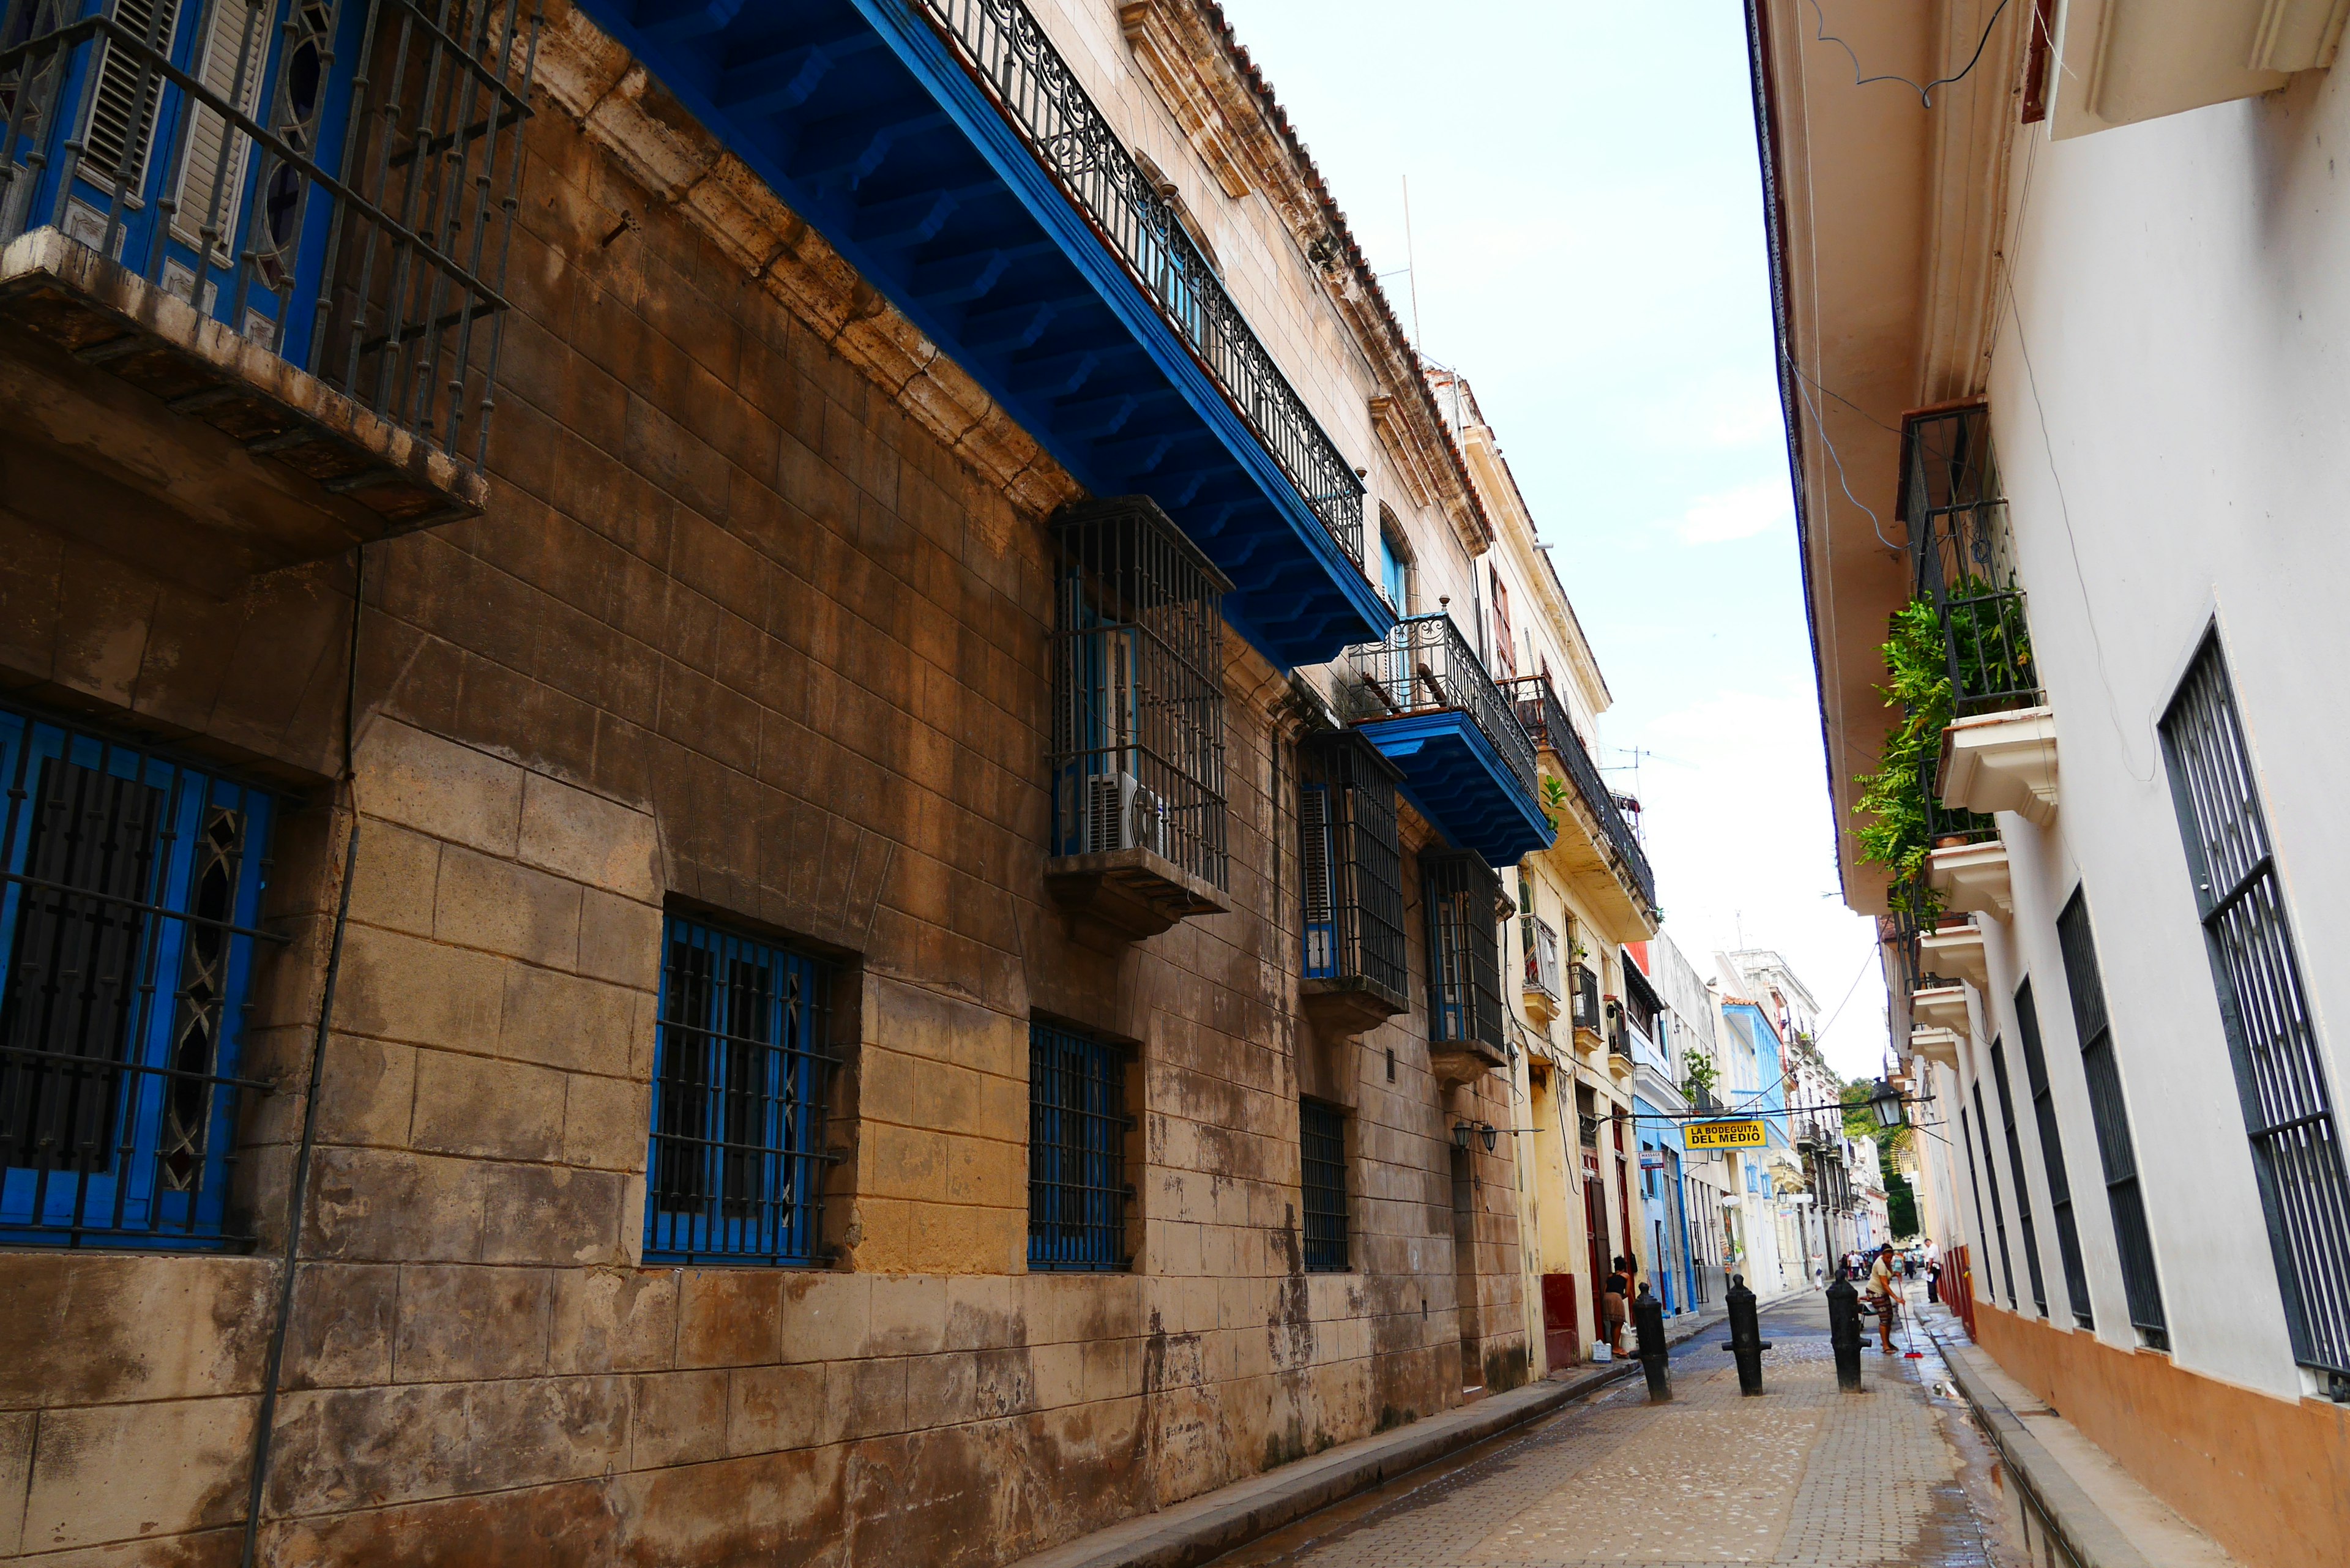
x=737, y=1164
x=335, y=181
x=1465, y=958
x=1351, y=860
x=2051, y=1153
x=1962, y=559
x=2015, y=1169
x=1998, y=1209
x=1138, y=690
x=1077, y=1127
x=2109, y=1115
x=1322, y=1165
x=2264, y=1008
x=129, y=915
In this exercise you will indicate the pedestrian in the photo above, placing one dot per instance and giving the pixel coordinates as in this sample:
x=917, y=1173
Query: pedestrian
x=1933, y=1281
x=1619, y=1292
x=1881, y=1291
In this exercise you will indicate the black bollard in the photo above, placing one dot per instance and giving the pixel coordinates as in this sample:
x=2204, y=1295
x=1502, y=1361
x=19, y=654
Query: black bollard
x=1746, y=1340
x=1649, y=1321
x=1844, y=1333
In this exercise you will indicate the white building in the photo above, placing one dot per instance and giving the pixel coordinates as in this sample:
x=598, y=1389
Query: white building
x=2061, y=360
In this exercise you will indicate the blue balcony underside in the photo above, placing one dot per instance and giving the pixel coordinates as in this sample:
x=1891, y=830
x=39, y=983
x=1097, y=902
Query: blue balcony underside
x=865, y=123
x=1459, y=783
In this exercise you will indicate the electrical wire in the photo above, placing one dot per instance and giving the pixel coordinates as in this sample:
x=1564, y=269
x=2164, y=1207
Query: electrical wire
x=1926, y=93
x=1803, y=386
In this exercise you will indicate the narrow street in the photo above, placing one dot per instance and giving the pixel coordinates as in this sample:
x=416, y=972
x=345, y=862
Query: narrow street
x=1897, y=1474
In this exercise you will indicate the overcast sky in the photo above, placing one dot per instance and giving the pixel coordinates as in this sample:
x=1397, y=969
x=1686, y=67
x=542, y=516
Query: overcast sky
x=1587, y=239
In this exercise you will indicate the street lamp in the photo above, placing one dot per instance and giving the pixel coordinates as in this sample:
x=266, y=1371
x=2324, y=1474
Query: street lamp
x=1460, y=1131
x=1884, y=1104
x=1487, y=1131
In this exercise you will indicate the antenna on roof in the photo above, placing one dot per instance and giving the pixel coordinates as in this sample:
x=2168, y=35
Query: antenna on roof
x=1410, y=262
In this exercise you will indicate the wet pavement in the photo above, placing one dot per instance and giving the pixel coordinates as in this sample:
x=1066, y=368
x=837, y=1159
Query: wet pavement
x=1804, y=1474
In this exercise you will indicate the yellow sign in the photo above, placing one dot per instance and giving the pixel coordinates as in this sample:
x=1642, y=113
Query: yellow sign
x=1724, y=1135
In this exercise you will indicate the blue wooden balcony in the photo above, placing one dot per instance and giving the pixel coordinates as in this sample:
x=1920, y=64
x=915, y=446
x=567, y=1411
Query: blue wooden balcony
x=1467, y=763
x=944, y=148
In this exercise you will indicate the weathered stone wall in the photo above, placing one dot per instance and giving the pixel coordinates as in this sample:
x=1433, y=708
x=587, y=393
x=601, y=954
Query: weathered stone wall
x=736, y=635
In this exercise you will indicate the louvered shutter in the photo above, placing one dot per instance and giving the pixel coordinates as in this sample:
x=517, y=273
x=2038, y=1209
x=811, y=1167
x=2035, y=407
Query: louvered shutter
x=236, y=27
x=1313, y=827
x=122, y=116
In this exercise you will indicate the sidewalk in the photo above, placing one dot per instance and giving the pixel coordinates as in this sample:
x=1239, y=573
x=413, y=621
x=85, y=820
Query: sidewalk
x=1207, y=1526
x=2098, y=1513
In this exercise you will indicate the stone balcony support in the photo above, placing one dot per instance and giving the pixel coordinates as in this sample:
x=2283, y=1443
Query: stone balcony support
x=1973, y=878
x=2002, y=761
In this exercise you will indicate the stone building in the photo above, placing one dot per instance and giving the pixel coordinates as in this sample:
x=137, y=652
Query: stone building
x=646, y=923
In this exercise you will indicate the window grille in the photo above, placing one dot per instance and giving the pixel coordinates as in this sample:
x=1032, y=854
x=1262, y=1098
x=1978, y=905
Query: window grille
x=2109, y=1113
x=334, y=181
x=2015, y=1169
x=1974, y=1184
x=1541, y=945
x=1586, y=999
x=1077, y=1124
x=1464, y=959
x=129, y=913
x=1998, y=1211
x=1962, y=558
x=1322, y=1163
x=2272, y=1038
x=2051, y=1152
x=1352, y=857
x=737, y=1161
x=1138, y=690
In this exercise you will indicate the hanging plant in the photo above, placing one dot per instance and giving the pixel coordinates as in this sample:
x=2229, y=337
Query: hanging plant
x=1699, y=1076
x=1894, y=797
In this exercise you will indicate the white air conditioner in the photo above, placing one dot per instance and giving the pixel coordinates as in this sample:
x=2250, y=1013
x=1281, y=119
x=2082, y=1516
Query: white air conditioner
x=1120, y=813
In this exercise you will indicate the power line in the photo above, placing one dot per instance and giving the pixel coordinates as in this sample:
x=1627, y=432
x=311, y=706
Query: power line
x=1926, y=93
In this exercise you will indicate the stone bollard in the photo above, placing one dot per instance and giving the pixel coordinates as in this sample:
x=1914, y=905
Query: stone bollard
x=1746, y=1340
x=1844, y=1333
x=1649, y=1319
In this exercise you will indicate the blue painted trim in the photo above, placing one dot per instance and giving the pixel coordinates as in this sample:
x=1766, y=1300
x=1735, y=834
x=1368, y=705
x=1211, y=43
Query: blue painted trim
x=1523, y=827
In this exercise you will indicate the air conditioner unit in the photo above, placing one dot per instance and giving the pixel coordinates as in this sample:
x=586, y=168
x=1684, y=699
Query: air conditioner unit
x=1121, y=813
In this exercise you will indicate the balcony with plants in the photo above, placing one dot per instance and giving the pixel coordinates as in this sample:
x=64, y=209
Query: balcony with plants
x=1593, y=844
x=947, y=152
x=262, y=242
x=1424, y=699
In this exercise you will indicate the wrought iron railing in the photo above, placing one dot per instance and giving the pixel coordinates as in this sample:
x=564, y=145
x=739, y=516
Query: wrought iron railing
x=1138, y=688
x=1463, y=899
x=1620, y=1037
x=1545, y=719
x=1351, y=862
x=1962, y=558
x=1586, y=999
x=335, y=181
x=1540, y=941
x=1005, y=48
x=1587, y=1130
x=1426, y=666
x=1946, y=826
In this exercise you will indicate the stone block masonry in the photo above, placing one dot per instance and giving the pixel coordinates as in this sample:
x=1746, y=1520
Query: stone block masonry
x=750, y=631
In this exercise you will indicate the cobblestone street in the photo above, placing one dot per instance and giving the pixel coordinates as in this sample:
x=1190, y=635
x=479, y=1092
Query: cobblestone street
x=1803, y=1475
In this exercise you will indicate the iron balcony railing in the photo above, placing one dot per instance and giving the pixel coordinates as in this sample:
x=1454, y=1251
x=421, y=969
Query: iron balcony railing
x=1587, y=1130
x=1962, y=559
x=1545, y=719
x=1586, y=999
x=1138, y=690
x=1949, y=827
x=1620, y=1037
x=1540, y=941
x=334, y=180
x=1463, y=902
x=1005, y=48
x=1351, y=862
x=1426, y=666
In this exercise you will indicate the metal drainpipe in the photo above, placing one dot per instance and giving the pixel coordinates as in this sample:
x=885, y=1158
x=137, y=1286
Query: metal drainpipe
x=298, y=1187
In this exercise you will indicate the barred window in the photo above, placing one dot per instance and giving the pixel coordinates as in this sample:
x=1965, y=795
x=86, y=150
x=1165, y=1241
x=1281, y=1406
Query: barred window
x=737, y=1162
x=2015, y=1169
x=1464, y=950
x=1352, y=859
x=133, y=885
x=2272, y=1038
x=2109, y=1115
x=1998, y=1211
x=1322, y=1163
x=1077, y=1124
x=2052, y=1153
x=1138, y=690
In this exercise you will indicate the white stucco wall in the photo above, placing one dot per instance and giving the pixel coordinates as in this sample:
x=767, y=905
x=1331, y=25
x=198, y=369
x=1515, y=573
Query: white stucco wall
x=2170, y=396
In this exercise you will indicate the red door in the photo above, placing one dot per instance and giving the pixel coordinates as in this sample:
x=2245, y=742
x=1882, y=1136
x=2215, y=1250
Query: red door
x=1562, y=1338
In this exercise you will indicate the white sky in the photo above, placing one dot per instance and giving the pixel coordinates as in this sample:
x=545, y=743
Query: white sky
x=1586, y=225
